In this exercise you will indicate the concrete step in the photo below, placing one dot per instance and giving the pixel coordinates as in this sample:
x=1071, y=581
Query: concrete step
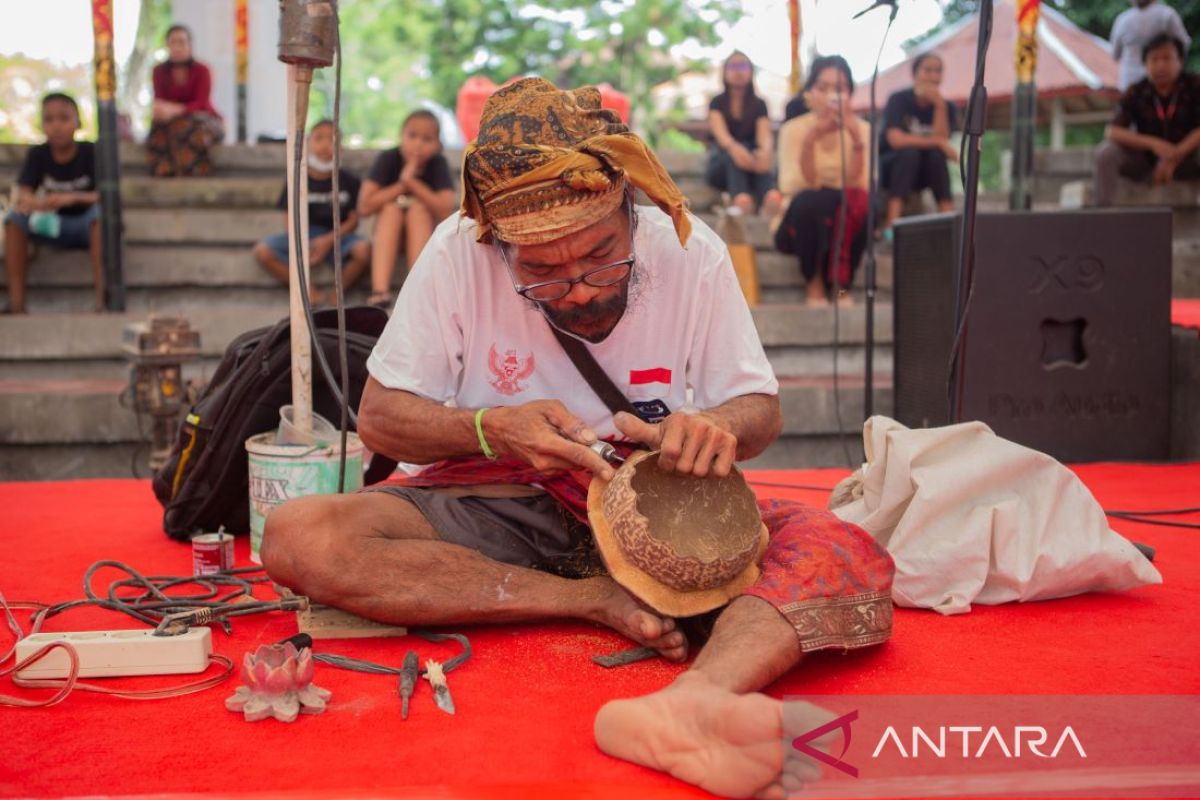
x=74, y=337
x=160, y=266
x=1185, y=268
x=228, y=159
x=65, y=412
x=796, y=325
x=60, y=462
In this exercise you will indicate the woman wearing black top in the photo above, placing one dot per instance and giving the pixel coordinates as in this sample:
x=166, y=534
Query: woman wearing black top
x=915, y=147
x=741, y=161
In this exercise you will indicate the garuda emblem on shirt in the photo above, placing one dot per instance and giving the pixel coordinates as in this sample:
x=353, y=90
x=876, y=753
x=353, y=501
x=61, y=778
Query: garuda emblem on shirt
x=509, y=370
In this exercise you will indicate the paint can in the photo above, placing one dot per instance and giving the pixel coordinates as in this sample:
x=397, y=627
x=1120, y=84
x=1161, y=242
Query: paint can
x=279, y=472
x=212, y=552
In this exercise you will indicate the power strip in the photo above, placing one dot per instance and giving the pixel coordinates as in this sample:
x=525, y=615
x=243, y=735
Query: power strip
x=108, y=654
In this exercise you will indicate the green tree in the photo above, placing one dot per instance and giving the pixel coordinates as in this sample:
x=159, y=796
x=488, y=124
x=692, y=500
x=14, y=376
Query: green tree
x=1095, y=16
x=400, y=53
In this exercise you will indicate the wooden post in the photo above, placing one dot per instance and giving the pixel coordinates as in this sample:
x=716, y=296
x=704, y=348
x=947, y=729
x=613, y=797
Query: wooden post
x=299, y=81
x=1058, y=124
x=795, y=30
x=241, y=27
x=1024, y=105
x=108, y=162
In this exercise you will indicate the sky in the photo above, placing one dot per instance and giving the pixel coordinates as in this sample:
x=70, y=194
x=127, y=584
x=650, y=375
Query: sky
x=762, y=32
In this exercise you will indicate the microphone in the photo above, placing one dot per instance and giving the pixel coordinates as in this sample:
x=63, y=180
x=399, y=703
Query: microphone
x=877, y=4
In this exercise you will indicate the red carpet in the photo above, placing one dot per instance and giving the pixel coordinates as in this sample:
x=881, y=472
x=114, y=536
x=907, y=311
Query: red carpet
x=527, y=699
x=1186, y=313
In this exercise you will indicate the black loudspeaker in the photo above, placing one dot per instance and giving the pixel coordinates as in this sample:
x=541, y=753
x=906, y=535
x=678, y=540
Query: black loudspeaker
x=1068, y=331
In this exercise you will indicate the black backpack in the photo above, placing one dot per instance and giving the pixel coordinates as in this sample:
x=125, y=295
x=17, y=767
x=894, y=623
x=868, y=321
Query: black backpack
x=204, y=483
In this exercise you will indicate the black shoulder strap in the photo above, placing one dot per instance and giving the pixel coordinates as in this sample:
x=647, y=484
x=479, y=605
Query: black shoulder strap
x=594, y=374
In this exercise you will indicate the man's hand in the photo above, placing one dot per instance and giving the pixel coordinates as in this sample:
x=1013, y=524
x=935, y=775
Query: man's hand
x=1164, y=171
x=546, y=436
x=320, y=247
x=1162, y=148
x=57, y=200
x=950, y=150
x=696, y=444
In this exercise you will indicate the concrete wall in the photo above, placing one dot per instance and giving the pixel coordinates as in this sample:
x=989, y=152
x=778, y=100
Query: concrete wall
x=212, y=24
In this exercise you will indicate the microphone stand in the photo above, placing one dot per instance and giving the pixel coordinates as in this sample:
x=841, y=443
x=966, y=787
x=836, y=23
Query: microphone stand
x=976, y=123
x=873, y=183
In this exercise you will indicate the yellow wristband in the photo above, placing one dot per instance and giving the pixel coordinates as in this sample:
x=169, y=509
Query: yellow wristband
x=483, y=445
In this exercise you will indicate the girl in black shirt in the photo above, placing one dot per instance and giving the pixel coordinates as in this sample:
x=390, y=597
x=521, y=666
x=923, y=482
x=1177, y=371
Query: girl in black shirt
x=741, y=161
x=410, y=188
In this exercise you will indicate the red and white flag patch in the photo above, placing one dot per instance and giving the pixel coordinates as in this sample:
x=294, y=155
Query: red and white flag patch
x=639, y=377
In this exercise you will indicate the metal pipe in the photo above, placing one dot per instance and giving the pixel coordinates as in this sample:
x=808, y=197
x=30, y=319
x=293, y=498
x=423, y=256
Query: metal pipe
x=108, y=162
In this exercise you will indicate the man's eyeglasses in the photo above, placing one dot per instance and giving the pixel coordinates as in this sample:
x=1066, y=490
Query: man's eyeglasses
x=548, y=291
x=599, y=277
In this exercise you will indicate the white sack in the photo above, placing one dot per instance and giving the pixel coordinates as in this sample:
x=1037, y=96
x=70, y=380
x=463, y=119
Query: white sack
x=970, y=517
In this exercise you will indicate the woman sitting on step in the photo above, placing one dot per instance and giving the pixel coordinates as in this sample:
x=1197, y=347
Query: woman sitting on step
x=411, y=190
x=820, y=152
x=185, y=123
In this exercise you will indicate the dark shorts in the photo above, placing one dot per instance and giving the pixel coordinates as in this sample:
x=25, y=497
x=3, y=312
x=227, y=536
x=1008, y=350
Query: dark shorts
x=534, y=532
x=75, y=232
x=278, y=244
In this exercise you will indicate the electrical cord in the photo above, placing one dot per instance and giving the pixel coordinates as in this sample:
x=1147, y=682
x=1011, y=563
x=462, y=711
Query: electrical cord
x=302, y=281
x=361, y=665
x=835, y=256
x=171, y=615
x=338, y=289
x=976, y=106
x=1142, y=517
x=873, y=179
x=69, y=684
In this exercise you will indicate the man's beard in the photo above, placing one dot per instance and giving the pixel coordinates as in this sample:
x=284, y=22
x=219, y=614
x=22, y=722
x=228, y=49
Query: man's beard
x=592, y=322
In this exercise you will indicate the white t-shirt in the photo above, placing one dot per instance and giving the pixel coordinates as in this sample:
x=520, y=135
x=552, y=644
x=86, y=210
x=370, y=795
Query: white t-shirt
x=461, y=335
x=1132, y=29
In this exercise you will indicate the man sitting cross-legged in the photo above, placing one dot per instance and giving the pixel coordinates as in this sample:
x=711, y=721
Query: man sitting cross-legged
x=1155, y=132
x=469, y=378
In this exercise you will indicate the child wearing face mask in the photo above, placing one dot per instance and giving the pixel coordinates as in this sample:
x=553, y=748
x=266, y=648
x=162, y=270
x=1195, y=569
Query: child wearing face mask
x=272, y=252
x=410, y=188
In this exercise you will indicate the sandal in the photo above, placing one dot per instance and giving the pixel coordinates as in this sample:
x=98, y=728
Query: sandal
x=380, y=300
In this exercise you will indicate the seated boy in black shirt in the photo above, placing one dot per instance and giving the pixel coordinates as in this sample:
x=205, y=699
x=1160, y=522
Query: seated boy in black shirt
x=1155, y=131
x=56, y=199
x=272, y=252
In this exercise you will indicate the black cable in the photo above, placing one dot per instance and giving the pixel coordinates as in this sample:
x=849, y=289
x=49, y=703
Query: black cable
x=298, y=243
x=362, y=665
x=173, y=614
x=338, y=289
x=835, y=256
x=1158, y=512
x=1162, y=522
x=974, y=128
x=871, y=271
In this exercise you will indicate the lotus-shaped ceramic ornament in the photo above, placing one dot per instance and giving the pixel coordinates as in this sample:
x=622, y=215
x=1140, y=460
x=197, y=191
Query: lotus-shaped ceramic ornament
x=277, y=682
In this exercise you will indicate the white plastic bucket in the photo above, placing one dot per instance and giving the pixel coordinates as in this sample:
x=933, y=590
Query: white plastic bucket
x=280, y=472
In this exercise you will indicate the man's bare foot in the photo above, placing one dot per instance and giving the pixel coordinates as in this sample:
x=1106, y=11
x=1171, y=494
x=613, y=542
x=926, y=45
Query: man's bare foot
x=701, y=733
x=620, y=611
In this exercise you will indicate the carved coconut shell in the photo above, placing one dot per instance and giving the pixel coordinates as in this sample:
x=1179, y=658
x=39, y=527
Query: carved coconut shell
x=677, y=541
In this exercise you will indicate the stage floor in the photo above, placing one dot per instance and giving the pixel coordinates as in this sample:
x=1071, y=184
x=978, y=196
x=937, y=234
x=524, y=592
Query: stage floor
x=527, y=699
